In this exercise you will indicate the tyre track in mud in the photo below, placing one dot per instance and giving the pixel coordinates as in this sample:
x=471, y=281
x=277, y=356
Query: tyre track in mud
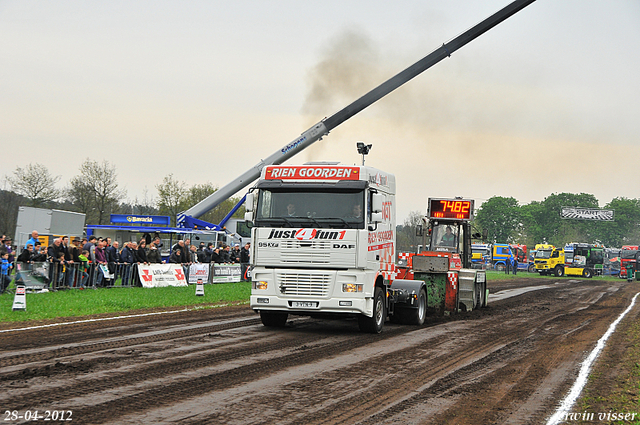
x=146, y=372
x=118, y=342
x=219, y=380
x=476, y=367
x=444, y=374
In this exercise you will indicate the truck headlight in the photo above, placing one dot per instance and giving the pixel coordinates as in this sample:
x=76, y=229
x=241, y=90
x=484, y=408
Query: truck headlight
x=259, y=284
x=352, y=287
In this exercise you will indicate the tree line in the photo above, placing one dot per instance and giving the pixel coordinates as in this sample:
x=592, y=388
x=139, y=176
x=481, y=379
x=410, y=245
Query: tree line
x=506, y=221
x=96, y=192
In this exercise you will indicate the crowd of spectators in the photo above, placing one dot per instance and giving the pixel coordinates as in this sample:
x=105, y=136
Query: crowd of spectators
x=71, y=263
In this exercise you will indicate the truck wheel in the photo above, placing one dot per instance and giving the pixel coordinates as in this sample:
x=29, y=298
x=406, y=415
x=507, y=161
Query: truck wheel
x=558, y=271
x=375, y=323
x=416, y=316
x=499, y=267
x=273, y=319
x=588, y=273
x=532, y=268
x=477, y=297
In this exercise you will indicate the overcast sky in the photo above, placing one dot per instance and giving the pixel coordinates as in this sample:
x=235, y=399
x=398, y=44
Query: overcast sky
x=546, y=102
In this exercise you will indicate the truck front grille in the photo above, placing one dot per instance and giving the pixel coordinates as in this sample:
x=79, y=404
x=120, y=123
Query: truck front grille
x=306, y=284
x=305, y=252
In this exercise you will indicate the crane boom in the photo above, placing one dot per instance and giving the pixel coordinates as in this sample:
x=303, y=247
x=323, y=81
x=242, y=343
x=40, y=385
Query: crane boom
x=317, y=131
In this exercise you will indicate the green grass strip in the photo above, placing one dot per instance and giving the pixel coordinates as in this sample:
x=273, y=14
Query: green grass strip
x=76, y=303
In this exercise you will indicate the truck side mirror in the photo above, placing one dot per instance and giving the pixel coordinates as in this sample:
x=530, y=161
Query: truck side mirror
x=248, y=203
x=376, y=203
x=419, y=230
x=248, y=217
x=376, y=217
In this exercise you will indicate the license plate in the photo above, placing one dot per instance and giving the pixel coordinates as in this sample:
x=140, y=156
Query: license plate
x=304, y=304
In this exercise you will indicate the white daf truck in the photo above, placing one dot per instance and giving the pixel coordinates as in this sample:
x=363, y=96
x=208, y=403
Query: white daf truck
x=323, y=242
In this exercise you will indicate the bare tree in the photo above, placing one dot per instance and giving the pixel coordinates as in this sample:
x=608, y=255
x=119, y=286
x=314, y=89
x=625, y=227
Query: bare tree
x=81, y=196
x=9, y=203
x=35, y=183
x=173, y=197
x=95, y=191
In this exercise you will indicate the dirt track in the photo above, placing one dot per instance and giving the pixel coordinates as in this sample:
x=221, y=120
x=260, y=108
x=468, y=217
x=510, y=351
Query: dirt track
x=510, y=363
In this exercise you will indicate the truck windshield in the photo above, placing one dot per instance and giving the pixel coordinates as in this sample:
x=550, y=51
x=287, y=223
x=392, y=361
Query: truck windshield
x=543, y=253
x=628, y=254
x=319, y=208
x=445, y=237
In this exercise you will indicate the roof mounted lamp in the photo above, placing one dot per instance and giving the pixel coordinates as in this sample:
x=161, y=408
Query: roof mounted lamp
x=363, y=149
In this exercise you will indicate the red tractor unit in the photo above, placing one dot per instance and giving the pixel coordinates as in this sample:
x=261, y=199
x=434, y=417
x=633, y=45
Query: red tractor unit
x=627, y=257
x=445, y=266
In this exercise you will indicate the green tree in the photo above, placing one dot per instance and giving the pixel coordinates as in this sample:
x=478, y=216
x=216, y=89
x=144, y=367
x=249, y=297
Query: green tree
x=623, y=230
x=531, y=218
x=199, y=192
x=36, y=184
x=558, y=231
x=406, y=234
x=500, y=216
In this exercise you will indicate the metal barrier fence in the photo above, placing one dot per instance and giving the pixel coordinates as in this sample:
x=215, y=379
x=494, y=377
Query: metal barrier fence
x=60, y=276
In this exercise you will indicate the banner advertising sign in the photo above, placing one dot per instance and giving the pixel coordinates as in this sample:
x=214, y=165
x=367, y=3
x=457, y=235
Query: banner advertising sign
x=226, y=273
x=157, y=275
x=586, y=213
x=141, y=219
x=105, y=271
x=198, y=271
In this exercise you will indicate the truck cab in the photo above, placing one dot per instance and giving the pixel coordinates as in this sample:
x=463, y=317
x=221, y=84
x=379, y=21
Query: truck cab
x=627, y=256
x=549, y=260
x=587, y=260
x=480, y=255
x=502, y=256
x=323, y=242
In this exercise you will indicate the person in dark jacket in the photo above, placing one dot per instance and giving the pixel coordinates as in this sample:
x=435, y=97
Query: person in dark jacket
x=41, y=255
x=216, y=257
x=153, y=253
x=127, y=259
x=183, y=251
x=53, y=254
x=244, y=260
x=113, y=256
x=142, y=252
x=208, y=251
x=26, y=255
x=176, y=256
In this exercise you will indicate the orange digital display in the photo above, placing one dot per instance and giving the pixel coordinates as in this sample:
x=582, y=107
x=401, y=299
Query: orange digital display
x=453, y=209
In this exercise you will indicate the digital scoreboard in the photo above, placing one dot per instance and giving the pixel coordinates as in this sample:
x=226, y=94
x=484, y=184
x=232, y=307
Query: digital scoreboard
x=451, y=209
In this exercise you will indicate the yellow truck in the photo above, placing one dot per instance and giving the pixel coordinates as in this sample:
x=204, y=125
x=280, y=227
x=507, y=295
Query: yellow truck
x=549, y=260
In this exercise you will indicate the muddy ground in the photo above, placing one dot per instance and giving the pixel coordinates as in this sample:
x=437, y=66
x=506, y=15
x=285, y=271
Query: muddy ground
x=510, y=363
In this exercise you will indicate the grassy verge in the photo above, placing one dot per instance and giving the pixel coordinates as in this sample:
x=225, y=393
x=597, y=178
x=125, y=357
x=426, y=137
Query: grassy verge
x=74, y=303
